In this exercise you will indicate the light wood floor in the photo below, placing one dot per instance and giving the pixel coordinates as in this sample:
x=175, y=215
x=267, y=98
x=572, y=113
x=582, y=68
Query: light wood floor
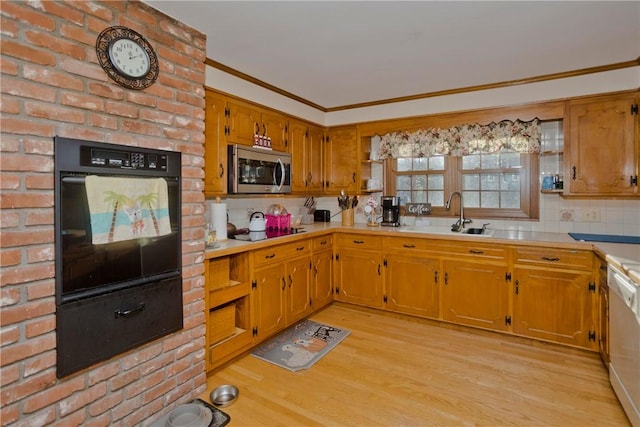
x=396, y=372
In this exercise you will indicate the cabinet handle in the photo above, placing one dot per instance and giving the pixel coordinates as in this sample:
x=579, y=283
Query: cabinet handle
x=517, y=287
x=435, y=277
x=446, y=278
x=270, y=256
x=300, y=248
x=221, y=170
x=284, y=283
x=315, y=270
x=406, y=245
x=574, y=173
x=552, y=259
x=290, y=280
x=378, y=269
x=475, y=252
x=358, y=242
x=257, y=128
x=264, y=130
x=309, y=177
x=324, y=242
x=354, y=177
x=129, y=312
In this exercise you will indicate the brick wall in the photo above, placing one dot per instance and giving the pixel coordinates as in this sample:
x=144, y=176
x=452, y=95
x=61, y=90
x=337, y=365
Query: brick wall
x=51, y=85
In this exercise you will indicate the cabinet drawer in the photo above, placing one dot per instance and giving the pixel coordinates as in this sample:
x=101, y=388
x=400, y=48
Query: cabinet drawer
x=281, y=252
x=359, y=241
x=486, y=251
x=556, y=258
x=324, y=242
x=409, y=243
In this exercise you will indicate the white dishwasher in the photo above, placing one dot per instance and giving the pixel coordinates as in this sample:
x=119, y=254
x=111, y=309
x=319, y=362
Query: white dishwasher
x=624, y=341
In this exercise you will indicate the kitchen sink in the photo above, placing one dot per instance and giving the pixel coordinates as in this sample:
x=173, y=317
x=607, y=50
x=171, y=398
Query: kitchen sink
x=435, y=229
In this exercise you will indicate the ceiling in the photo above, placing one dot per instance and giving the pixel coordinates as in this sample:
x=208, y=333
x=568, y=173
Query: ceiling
x=337, y=54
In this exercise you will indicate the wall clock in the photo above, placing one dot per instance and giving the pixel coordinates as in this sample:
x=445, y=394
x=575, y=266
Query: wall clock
x=127, y=57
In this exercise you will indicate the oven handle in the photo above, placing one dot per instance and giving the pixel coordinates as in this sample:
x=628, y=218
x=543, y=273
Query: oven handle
x=130, y=312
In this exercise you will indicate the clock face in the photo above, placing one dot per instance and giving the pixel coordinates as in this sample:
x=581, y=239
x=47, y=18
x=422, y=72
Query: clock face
x=127, y=57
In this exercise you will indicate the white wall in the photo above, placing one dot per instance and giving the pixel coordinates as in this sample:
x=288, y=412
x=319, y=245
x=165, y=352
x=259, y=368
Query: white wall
x=616, y=216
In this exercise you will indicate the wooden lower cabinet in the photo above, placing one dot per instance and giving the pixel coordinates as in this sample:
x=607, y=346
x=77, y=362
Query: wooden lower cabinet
x=322, y=278
x=270, y=300
x=298, y=290
x=411, y=284
x=554, y=305
x=358, y=277
x=603, y=311
x=475, y=294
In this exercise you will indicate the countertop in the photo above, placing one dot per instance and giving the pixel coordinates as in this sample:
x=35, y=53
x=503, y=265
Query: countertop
x=625, y=256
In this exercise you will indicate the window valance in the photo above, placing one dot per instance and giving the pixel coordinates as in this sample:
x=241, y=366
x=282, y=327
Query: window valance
x=458, y=141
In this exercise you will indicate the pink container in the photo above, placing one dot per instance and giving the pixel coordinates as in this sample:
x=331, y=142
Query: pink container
x=278, y=222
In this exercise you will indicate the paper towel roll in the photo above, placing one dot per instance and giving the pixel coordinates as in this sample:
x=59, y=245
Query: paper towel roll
x=218, y=212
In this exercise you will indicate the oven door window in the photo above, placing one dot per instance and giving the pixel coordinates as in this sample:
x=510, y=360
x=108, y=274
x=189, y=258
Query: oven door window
x=87, y=267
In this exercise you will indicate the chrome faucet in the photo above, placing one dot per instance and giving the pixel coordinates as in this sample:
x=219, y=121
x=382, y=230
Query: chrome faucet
x=459, y=225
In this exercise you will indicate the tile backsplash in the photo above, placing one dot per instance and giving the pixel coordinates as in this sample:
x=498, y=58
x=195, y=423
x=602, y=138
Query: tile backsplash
x=621, y=217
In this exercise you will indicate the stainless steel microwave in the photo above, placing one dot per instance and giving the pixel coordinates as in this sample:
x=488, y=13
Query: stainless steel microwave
x=258, y=170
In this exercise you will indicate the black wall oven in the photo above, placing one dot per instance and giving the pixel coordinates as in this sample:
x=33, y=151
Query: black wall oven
x=118, y=249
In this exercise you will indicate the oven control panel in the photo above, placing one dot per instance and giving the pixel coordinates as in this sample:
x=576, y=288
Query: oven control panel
x=123, y=159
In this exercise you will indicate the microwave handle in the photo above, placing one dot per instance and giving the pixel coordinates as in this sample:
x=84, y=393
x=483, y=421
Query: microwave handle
x=279, y=183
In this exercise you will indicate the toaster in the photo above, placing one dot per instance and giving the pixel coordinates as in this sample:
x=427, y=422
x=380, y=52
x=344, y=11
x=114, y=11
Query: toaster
x=322, y=215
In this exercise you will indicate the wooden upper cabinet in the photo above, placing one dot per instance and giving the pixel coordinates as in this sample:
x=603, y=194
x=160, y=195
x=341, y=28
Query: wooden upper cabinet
x=601, y=149
x=341, y=160
x=215, y=146
x=244, y=120
x=305, y=144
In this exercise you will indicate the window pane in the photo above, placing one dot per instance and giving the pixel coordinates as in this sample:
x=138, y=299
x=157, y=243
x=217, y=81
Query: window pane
x=511, y=182
x=436, y=198
x=419, y=197
x=420, y=164
x=436, y=182
x=471, y=182
x=471, y=162
x=436, y=163
x=490, y=199
x=404, y=164
x=419, y=182
x=471, y=199
x=510, y=199
x=489, y=181
x=511, y=160
x=405, y=196
x=403, y=182
x=490, y=161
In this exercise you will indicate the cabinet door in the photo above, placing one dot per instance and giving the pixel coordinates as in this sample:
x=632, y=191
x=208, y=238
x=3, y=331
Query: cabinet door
x=298, y=289
x=243, y=122
x=276, y=127
x=314, y=158
x=340, y=151
x=554, y=305
x=270, y=307
x=298, y=146
x=359, y=277
x=602, y=147
x=321, y=275
x=215, y=145
x=411, y=283
x=475, y=294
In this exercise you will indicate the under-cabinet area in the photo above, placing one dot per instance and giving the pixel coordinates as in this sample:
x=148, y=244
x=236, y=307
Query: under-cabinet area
x=536, y=291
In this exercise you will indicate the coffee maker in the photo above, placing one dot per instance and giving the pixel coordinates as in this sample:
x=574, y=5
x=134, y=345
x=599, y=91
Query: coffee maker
x=390, y=211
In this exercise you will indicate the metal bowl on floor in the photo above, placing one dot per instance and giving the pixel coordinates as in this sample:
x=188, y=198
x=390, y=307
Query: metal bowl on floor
x=224, y=395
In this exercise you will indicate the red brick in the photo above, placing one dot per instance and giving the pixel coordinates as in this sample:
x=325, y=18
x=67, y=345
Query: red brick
x=94, y=9
x=174, y=57
x=158, y=391
x=77, y=34
x=26, y=200
x=157, y=117
x=198, y=56
x=8, y=66
x=39, y=182
x=10, y=296
x=82, y=68
x=40, y=326
x=39, y=363
x=102, y=405
x=77, y=419
x=124, y=379
x=38, y=146
x=136, y=126
x=22, y=313
x=143, y=384
x=121, y=109
x=26, y=127
x=102, y=373
x=13, y=276
x=10, y=414
x=54, y=112
x=63, y=11
x=23, y=12
x=9, y=182
x=27, y=53
x=25, y=89
x=8, y=336
x=41, y=289
x=103, y=90
x=175, y=107
x=82, y=398
x=8, y=27
x=48, y=395
x=141, y=98
x=176, y=29
x=123, y=409
x=9, y=105
x=28, y=163
x=16, y=392
x=10, y=257
x=89, y=102
x=54, y=43
x=102, y=121
x=51, y=77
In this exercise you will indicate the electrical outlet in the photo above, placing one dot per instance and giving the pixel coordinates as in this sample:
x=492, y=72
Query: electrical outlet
x=566, y=215
x=591, y=215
